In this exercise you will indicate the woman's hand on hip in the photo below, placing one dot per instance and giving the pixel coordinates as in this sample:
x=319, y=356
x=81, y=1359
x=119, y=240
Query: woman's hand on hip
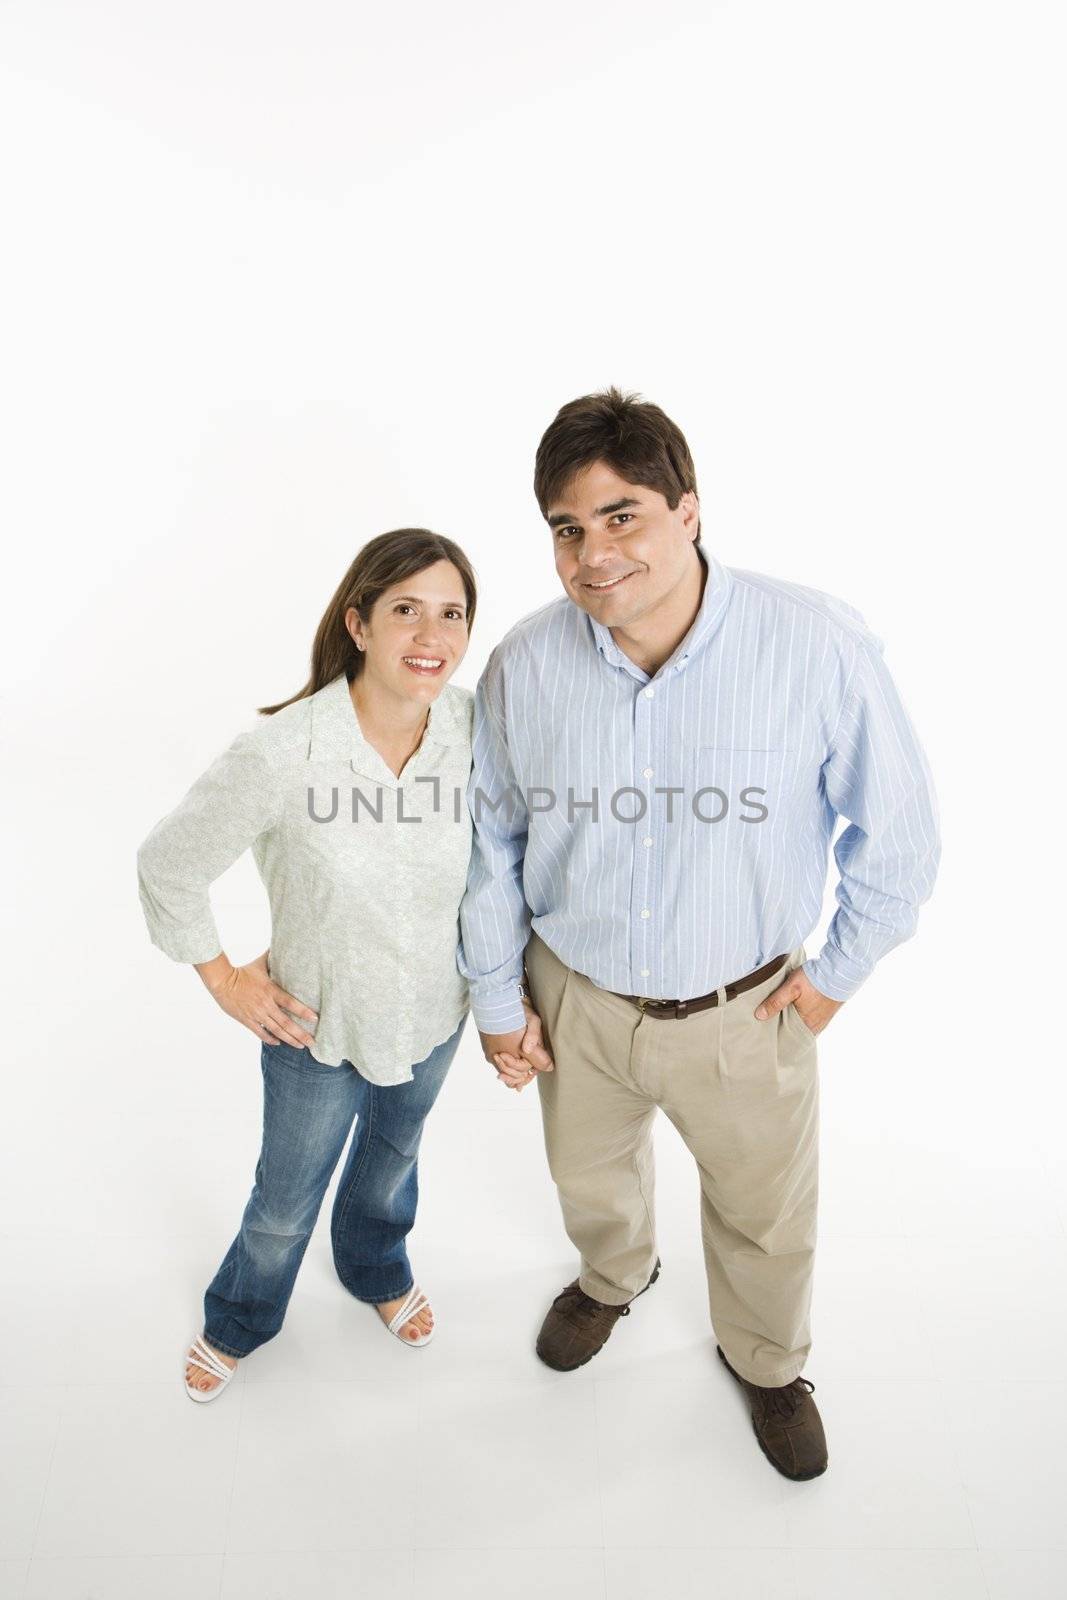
x=250, y=995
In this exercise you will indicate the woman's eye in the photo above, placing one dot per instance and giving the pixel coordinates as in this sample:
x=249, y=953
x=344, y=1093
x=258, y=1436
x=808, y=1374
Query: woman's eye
x=403, y=606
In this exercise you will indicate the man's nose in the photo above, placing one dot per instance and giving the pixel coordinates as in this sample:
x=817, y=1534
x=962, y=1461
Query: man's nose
x=598, y=547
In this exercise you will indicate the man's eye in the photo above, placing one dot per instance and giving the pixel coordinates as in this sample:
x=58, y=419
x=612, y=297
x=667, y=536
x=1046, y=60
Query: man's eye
x=623, y=516
x=562, y=532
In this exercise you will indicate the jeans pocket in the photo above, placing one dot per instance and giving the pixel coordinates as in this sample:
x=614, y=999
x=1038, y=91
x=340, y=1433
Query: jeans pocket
x=297, y=1058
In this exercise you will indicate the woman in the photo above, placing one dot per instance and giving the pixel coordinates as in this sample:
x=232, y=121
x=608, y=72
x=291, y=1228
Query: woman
x=351, y=796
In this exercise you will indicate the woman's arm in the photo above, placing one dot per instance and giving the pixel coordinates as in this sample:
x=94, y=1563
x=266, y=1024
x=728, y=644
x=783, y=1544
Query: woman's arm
x=226, y=810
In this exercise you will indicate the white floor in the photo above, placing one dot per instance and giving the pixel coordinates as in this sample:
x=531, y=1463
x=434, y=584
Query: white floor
x=339, y=1462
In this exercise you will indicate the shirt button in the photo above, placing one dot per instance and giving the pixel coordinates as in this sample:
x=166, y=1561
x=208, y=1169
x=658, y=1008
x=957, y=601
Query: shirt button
x=647, y=843
x=646, y=912
x=647, y=773
x=645, y=972
x=649, y=692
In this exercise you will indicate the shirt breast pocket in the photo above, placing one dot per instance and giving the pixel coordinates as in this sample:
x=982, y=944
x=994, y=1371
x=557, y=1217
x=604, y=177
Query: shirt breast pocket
x=736, y=784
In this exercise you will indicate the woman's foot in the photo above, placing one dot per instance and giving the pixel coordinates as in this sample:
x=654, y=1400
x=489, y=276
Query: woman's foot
x=414, y=1327
x=206, y=1380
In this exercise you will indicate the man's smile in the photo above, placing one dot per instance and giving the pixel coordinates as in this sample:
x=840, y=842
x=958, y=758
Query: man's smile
x=608, y=584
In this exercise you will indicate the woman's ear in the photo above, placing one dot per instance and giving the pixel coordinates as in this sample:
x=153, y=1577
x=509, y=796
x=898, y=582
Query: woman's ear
x=354, y=624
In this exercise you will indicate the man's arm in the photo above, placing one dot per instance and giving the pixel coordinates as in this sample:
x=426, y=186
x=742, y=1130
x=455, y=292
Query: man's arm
x=494, y=916
x=878, y=778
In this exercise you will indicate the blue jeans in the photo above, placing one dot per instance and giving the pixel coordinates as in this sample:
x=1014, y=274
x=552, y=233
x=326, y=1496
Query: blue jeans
x=307, y=1114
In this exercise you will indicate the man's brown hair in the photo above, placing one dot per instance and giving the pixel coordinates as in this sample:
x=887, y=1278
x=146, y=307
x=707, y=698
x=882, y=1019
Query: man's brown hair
x=635, y=438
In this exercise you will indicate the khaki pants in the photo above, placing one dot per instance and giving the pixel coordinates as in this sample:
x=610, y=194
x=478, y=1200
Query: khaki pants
x=743, y=1095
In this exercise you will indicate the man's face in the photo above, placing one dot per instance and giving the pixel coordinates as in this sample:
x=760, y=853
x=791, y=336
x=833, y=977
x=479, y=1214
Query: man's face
x=620, y=550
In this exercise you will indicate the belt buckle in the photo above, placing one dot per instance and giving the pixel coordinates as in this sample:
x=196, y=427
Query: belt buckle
x=643, y=1003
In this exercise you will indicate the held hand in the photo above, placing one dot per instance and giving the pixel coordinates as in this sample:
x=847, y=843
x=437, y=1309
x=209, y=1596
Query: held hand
x=814, y=1009
x=519, y=1054
x=500, y=1047
x=512, y=1070
x=251, y=997
x=533, y=1044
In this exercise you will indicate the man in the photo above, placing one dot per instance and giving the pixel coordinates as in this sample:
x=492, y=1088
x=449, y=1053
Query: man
x=660, y=758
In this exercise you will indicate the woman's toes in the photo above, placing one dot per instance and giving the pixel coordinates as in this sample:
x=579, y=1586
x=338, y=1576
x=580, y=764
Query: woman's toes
x=199, y=1379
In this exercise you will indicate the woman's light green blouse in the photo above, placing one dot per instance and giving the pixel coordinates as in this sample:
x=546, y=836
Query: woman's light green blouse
x=365, y=872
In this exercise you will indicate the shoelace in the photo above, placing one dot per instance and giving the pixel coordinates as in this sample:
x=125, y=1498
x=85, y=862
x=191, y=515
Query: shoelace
x=785, y=1400
x=580, y=1307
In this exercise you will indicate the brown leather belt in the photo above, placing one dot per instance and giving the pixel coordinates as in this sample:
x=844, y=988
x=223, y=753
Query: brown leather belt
x=684, y=1008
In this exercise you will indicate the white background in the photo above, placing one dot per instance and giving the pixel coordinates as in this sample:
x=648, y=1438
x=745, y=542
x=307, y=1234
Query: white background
x=276, y=278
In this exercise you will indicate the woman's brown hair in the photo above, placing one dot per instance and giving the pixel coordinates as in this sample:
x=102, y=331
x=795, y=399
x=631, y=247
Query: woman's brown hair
x=382, y=562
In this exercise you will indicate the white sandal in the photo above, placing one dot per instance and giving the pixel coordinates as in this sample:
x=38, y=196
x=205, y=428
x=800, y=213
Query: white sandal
x=206, y=1359
x=416, y=1301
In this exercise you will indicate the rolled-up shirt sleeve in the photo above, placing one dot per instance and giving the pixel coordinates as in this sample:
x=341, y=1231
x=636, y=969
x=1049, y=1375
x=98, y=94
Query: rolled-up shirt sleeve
x=225, y=811
x=494, y=916
x=877, y=777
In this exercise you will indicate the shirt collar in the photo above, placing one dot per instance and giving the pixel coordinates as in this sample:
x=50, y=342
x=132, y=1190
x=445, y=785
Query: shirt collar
x=337, y=736
x=714, y=601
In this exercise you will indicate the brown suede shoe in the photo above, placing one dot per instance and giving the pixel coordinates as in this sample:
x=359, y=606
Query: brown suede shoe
x=787, y=1424
x=577, y=1326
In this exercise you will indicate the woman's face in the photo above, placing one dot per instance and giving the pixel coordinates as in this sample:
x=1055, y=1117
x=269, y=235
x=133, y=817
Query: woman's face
x=417, y=633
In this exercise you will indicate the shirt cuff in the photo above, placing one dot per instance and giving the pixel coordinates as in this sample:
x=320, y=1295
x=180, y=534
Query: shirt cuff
x=833, y=974
x=500, y=1012
x=195, y=945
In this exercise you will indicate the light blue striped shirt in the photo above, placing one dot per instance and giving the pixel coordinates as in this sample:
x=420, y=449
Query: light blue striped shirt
x=774, y=716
